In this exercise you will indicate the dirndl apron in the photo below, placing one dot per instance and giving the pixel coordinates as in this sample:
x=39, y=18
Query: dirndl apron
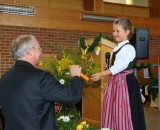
x=116, y=112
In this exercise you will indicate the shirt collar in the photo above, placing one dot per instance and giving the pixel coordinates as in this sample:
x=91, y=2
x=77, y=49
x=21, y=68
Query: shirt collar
x=122, y=43
x=22, y=62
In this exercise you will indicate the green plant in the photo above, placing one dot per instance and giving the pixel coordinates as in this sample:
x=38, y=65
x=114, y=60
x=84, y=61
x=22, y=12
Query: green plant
x=59, y=67
x=152, y=80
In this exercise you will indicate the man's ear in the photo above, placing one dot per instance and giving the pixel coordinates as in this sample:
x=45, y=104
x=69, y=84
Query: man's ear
x=30, y=52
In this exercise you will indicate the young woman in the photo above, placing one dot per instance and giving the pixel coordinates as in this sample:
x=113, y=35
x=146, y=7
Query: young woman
x=122, y=108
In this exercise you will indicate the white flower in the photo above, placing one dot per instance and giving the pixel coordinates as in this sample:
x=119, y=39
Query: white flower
x=60, y=118
x=62, y=81
x=67, y=73
x=64, y=118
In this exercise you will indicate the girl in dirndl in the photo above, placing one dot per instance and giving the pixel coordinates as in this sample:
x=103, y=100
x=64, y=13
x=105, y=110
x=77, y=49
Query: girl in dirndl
x=122, y=107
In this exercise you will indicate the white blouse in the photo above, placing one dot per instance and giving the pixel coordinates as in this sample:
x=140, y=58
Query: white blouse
x=123, y=57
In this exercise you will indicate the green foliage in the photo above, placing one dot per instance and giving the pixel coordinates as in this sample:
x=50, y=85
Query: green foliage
x=71, y=112
x=152, y=81
x=59, y=67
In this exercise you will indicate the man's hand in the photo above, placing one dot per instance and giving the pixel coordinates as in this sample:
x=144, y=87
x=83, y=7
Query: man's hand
x=75, y=70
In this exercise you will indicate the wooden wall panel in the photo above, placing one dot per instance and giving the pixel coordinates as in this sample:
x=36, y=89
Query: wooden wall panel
x=61, y=4
x=26, y=2
x=73, y=24
x=121, y=9
x=91, y=99
x=88, y=5
x=136, y=11
x=112, y=9
x=30, y=21
x=154, y=8
x=43, y=3
x=67, y=4
x=140, y=22
x=8, y=1
x=153, y=22
x=54, y=17
x=98, y=6
x=53, y=13
x=93, y=5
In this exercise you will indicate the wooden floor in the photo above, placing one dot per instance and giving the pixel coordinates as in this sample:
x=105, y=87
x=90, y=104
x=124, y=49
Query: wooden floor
x=152, y=117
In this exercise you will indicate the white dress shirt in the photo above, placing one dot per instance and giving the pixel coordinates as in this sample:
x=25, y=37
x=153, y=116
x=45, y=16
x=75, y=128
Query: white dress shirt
x=123, y=57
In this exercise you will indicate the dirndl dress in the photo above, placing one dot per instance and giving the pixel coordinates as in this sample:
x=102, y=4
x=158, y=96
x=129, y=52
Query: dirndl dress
x=122, y=107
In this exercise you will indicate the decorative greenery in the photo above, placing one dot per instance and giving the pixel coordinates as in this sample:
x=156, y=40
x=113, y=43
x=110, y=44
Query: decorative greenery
x=67, y=117
x=152, y=81
x=67, y=122
x=94, y=44
x=59, y=65
x=87, y=48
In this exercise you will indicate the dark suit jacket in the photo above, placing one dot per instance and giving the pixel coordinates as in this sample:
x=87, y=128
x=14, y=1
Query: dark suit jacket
x=27, y=95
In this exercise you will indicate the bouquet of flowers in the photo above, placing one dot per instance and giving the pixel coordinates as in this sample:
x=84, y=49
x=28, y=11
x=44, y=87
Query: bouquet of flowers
x=58, y=66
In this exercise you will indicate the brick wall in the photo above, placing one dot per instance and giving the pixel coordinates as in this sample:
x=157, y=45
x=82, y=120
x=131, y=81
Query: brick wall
x=154, y=46
x=48, y=36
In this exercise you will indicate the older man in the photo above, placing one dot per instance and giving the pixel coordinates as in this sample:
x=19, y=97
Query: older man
x=27, y=93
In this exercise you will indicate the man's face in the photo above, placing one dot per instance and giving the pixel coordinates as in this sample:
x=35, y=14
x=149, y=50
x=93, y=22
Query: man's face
x=37, y=51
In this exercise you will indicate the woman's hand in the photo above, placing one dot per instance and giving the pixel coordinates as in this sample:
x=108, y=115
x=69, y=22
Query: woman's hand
x=96, y=77
x=104, y=67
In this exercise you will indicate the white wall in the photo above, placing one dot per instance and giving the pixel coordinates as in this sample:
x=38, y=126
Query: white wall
x=135, y=2
x=116, y=1
x=141, y=2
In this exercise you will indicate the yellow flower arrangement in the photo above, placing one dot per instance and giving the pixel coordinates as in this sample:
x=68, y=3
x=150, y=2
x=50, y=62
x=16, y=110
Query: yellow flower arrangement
x=59, y=67
x=83, y=126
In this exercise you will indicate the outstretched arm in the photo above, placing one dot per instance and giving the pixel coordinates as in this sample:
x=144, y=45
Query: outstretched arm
x=98, y=76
